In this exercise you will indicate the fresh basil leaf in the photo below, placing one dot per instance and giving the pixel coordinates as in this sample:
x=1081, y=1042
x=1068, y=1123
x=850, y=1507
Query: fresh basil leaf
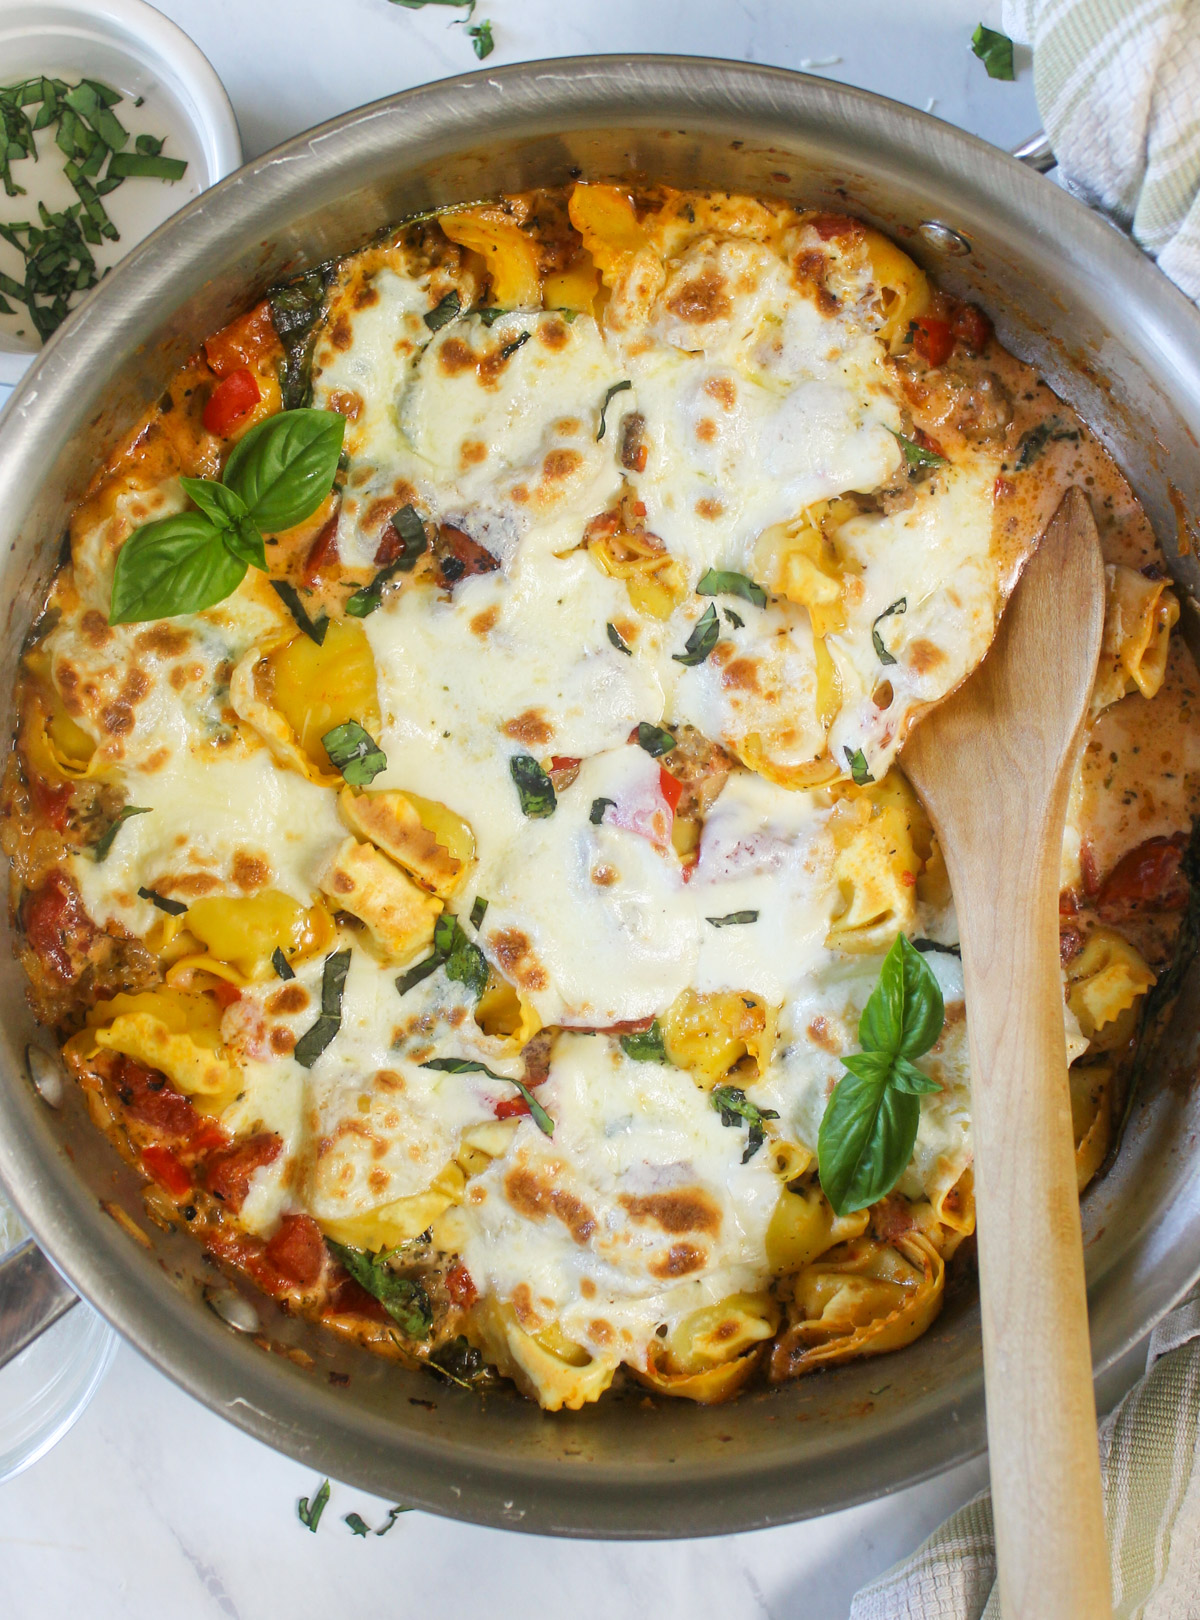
x=866, y=1139
x=224, y=506
x=909, y=1078
x=509, y=349
x=724, y=582
x=596, y=813
x=405, y=1301
x=284, y=467
x=534, y=787
x=175, y=565
x=617, y=388
x=280, y=963
x=995, y=51
x=333, y=983
x=735, y=1107
x=290, y=597
x=480, y=35
x=733, y=918
x=478, y=912
x=355, y=753
x=148, y=145
x=702, y=639
x=296, y=308
x=173, y=908
x=423, y=969
x=1033, y=442
x=646, y=1045
x=358, y=1525
x=245, y=543
x=904, y=1013
x=465, y=962
x=860, y=771
x=310, y=1515
x=915, y=454
x=468, y=1066
x=614, y=635
x=105, y=842
x=656, y=740
x=900, y=605
x=449, y=308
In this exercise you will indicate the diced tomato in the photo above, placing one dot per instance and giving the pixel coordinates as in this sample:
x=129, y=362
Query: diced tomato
x=927, y=441
x=298, y=1249
x=207, y=1136
x=1002, y=488
x=322, y=553
x=460, y=556
x=932, y=339
x=233, y=397
x=225, y=993
x=58, y=929
x=510, y=1107
x=1147, y=875
x=227, y=1172
x=971, y=327
x=243, y=342
x=461, y=1286
x=564, y=762
x=166, y=1169
x=51, y=801
x=147, y=1095
x=671, y=787
x=349, y=1298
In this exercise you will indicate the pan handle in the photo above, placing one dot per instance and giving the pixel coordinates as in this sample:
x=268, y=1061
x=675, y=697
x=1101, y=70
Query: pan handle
x=32, y=1297
x=1036, y=152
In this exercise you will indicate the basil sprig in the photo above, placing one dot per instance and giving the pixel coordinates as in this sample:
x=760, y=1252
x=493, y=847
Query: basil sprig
x=735, y=1108
x=314, y=1041
x=275, y=477
x=353, y=751
x=405, y=1301
x=724, y=582
x=870, y=1123
x=468, y=1066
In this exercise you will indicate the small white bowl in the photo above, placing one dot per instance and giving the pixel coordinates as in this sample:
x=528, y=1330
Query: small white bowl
x=133, y=47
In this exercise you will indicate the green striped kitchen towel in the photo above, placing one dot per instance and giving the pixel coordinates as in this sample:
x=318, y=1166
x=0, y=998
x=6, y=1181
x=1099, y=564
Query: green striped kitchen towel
x=1118, y=88
x=1151, y=1467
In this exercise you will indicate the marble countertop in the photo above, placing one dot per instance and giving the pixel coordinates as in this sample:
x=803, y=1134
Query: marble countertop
x=152, y=1504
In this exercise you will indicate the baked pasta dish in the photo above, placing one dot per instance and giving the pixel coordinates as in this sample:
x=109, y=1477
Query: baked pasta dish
x=455, y=822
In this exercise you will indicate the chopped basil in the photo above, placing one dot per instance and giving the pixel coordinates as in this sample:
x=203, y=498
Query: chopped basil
x=509, y=349
x=468, y=1066
x=478, y=912
x=995, y=51
x=724, y=582
x=656, y=740
x=618, y=641
x=735, y=619
x=926, y=945
x=105, y=842
x=173, y=908
x=596, y=813
x=1037, y=438
x=280, y=963
x=534, y=787
x=491, y=314
x=393, y=1514
x=414, y=542
x=480, y=35
x=900, y=605
x=296, y=308
x=465, y=962
x=308, y=1513
x=358, y=1525
x=443, y=312
x=355, y=753
x=617, y=388
x=142, y=166
x=423, y=969
x=405, y=1301
x=916, y=455
x=646, y=1045
x=333, y=982
x=734, y=1108
x=314, y=629
x=702, y=639
x=733, y=919
x=860, y=771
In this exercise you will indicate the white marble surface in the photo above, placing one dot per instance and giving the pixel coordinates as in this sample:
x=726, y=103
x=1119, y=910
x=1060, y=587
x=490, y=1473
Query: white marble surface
x=152, y=1505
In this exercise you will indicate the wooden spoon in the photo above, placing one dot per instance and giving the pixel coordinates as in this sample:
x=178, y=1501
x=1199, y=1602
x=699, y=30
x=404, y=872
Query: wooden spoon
x=993, y=766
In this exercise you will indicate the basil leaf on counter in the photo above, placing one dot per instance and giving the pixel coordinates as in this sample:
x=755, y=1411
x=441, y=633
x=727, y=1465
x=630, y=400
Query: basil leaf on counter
x=314, y=629
x=450, y=307
x=534, y=787
x=995, y=51
x=860, y=771
x=870, y=1123
x=735, y=1108
x=284, y=467
x=333, y=982
x=358, y=1525
x=724, y=582
x=173, y=908
x=617, y=388
x=310, y=1514
x=480, y=35
x=105, y=842
x=283, y=968
x=468, y=1066
x=656, y=740
x=702, y=639
x=174, y=565
x=405, y=1301
x=900, y=605
x=734, y=917
x=646, y=1045
x=618, y=641
x=355, y=753
x=596, y=813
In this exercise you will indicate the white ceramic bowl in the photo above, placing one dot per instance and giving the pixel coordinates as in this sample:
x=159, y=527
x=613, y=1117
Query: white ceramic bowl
x=135, y=48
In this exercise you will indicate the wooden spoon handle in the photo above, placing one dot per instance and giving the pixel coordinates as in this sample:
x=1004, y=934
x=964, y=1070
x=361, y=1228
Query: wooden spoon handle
x=1051, y=1551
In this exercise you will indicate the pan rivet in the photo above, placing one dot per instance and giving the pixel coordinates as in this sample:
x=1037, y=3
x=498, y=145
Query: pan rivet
x=943, y=237
x=46, y=1075
x=235, y=1310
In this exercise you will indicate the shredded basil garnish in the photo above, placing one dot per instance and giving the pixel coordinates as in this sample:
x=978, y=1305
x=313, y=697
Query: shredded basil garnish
x=478, y=912
x=724, y=582
x=534, y=787
x=920, y=943
x=482, y=43
x=596, y=813
x=333, y=982
x=464, y=962
x=702, y=639
x=414, y=542
x=735, y=619
x=105, y=842
x=646, y=1045
x=443, y=312
x=468, y=1066
x=405, y=1301
x=617, y=388
x=900, y=605
x=656, y=740
x=735, y=1108
x=618, y=641
x=1037, y=438
x=296, y=308
x=860, y=771
x=509, y=349
x=355, y=753
x=733, y=919
x=915, y=454
x=280, y=963
x=314, y=629
x=308, y=1513
x=173, y=908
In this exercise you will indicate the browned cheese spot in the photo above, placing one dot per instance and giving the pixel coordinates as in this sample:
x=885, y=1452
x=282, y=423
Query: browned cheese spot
x=339, y=334
x=923, y=656
x=471, y=452
x=560, y=464
x=723, y=390
x=531, y=728
x=706, y=430
x=289, y=998
x=679, y=1260
x=282, y=1041
x=587, y=1288
x=535, y=1198
x=250, y=872
x=604, y=876
x=707, y=507
x=483, y=622
x=346, y=403
x=553, y=334
x=366, y=295
x=684, y=1209
x=601, y=1331
x=702, y=299
x=820, y=1032
x=514, y=952
x=96, y=632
